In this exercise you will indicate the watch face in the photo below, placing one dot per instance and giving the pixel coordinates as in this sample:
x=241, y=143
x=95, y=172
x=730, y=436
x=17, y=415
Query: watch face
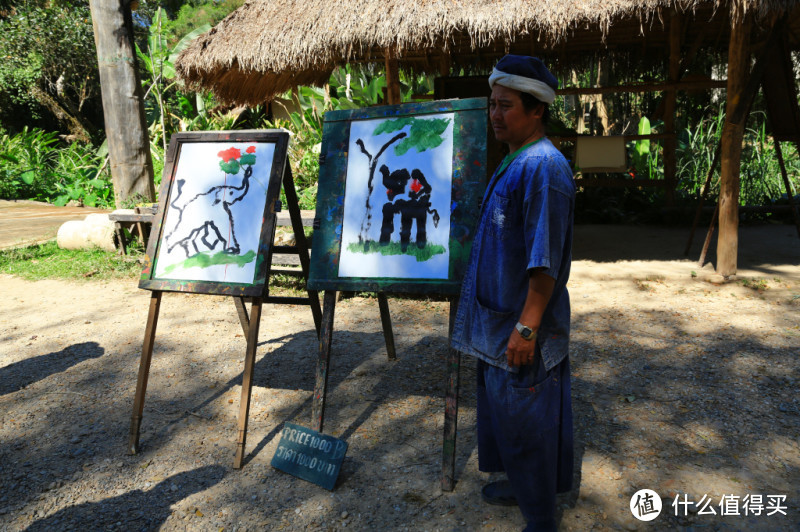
x=525, y=332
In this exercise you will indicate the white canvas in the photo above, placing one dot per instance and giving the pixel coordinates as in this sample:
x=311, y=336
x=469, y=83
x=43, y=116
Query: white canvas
x=198, y=241
x=362, y=224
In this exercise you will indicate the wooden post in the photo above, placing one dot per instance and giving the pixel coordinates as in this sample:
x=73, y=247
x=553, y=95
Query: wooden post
x=123, y=107
x=392, y=78
x=731, y=154
x=670, y=99
x=444, y=65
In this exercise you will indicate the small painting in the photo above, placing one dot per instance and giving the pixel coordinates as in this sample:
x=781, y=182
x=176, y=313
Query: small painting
x=399, y=196
x=397, y=204
x=212, y=228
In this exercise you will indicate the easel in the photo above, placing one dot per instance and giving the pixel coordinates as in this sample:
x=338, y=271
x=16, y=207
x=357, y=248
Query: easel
x=772, y=72
x=250, y=323
x=453, y=365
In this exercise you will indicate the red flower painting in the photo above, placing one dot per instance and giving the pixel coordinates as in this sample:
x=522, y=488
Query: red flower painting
x=231, y=153
x=251, y=149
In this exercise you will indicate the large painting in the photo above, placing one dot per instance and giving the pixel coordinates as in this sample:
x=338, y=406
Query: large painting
x=398, y=197
x=216, y=212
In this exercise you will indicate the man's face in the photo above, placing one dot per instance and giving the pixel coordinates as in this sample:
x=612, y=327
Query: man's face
x=511, y=123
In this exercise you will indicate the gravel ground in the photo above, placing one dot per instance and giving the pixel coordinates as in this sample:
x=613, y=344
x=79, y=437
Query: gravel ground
x=682, y=386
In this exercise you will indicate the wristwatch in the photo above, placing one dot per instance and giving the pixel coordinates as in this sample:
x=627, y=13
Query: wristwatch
x=526, y=332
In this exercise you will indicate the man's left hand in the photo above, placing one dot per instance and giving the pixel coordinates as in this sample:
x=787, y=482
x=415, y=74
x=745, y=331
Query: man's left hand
x=519, y=351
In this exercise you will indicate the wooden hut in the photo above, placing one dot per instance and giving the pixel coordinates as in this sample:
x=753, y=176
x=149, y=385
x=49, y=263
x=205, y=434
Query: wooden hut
x=269, y=46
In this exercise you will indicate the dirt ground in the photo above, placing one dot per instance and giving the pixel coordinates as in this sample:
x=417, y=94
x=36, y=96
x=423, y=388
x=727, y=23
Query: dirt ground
x=680, y=385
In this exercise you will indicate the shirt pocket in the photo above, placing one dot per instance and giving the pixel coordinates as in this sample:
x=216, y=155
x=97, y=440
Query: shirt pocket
x=535, y=407
x=491, y=330
x=499, y=219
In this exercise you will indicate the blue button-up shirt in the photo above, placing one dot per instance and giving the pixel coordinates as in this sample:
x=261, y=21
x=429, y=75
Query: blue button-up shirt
x=525, y=224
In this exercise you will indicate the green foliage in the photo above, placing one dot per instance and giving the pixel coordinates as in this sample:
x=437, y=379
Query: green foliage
x=193, y=15
x=760, y=175
x=37, y=165
x=48, y=46
x=48, y=261
x=641, y=148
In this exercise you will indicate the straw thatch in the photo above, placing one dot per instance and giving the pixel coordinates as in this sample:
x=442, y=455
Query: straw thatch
x=268, y=46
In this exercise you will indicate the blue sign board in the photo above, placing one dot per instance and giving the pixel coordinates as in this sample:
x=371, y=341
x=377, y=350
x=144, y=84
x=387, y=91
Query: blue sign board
x=310, y=455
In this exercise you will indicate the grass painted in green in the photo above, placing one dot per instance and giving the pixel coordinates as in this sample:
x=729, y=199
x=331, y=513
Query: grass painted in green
x=393, y=248
x=48, y=261
x=205, y=259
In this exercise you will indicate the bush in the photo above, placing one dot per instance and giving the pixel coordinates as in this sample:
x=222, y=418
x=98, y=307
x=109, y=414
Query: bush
x=37, y=165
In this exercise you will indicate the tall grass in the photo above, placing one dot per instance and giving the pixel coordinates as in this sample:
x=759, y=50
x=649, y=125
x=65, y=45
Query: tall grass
x=37, y=165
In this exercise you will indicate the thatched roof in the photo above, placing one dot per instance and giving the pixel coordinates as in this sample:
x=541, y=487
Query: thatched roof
x=268, y=46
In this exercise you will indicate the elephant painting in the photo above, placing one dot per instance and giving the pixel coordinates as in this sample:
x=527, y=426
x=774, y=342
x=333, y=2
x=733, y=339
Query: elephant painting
x=205, y=221
x=412, y=206
x=213, y=207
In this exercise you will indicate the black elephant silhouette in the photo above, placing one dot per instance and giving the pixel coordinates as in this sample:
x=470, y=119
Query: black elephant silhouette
x=412, y=206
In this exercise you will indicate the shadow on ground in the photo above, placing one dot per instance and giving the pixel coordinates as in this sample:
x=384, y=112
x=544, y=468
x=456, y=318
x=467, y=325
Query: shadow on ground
x=25, y=372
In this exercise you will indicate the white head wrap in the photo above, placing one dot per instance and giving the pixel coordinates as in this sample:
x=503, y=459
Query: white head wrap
x=542, y=91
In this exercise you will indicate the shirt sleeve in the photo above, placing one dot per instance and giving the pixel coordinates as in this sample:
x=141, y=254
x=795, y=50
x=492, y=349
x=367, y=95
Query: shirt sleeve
x=546, y=211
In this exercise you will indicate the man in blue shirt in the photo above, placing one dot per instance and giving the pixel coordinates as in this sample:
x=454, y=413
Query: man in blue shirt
x=514, y=313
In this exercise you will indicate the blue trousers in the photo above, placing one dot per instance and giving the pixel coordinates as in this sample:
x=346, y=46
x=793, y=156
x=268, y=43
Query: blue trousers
x=525, y=429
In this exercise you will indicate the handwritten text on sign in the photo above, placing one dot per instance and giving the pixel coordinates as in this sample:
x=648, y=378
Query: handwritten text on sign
x=309, y=455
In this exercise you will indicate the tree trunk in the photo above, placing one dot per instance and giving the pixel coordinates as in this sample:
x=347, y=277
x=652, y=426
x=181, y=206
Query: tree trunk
x=126, y=128
x=731, y=149
x=77, y=129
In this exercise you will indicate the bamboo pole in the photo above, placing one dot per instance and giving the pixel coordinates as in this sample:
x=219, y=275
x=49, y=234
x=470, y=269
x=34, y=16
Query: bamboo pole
x=731, y=154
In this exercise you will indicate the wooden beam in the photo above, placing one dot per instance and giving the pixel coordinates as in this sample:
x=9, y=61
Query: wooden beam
x=392, y=78
x=655, y=86
x=731, y=154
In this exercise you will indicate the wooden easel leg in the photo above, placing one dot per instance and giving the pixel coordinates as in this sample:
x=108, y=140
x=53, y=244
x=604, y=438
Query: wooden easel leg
x=144, y=371
x=707, y=242
x=323, y=360
x=451, y=408
x=301, y=242
x=241, y=310
x=703, y=197
x=120, y=232
x=247, y=380
x=386, y=323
